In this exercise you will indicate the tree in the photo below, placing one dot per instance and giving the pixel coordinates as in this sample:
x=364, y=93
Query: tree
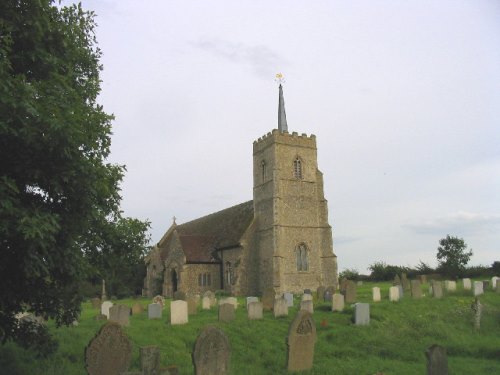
x=453, y=256
x=55, y=183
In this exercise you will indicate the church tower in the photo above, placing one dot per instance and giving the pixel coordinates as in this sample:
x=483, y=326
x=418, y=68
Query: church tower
x=294, y=238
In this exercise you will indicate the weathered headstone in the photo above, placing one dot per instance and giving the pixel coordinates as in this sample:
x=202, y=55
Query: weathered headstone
x=211, y=296
x=231, y=300
x=96, y=303
x=306, y=297
x=150, y=360
x=137, y=309
x=179, y=296
x=154, y=311
x=205, y=303
x=252, y=299
x=178, y=312
x=397, y=280
x=280, y=308
x=416, y=289
x=254, y=311
x=437, y=289
x=467, y=284
x=109, y=352
x=405, y=282
x=192, y=305
x=477, y=289
x=119, y=314
x=327, y=297
x=376, y=294
x=300, y=342
x=477, y=309
x=338, y=302
x=361, y=314
x=106, y=305
x=307, y=306
x=212, y=353
x=289, y=299
x=486, y=285
x=268, y=299
x=394, y=293
x=350, y=292
x=320, y=293
x=450, y=286
x=437, y=361
x=226, y=312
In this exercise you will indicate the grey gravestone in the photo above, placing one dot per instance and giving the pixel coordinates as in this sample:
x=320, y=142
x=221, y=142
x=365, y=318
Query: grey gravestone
x=376, y=294
x=437, y=361
x=327, y=296
x=179, y=295
x=477, y=309
x=337, y=302
x=362, y=314
x=437, y=289
x=254, y=311
x=307, y=306
x=401, y=291
x=350, y=292
x=137, y=309
x=252, y=299
x=477, y=288
x=416, y=289
x=120, y=314
x=154, y=311
x=226, y=312
x=109, y=352
x=394, y=293
x=289, y=299
x=212, y=353
x=405, y=282
x=268, y=299
x=178, y=312
x=150, y=360
x=280, y=308
x=467, y=284
x=486, y=284
x=320, y=293
x=300, y=342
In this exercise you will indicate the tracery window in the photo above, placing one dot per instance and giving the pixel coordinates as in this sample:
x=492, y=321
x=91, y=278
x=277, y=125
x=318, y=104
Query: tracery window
x=297, y=168
x=302, y=257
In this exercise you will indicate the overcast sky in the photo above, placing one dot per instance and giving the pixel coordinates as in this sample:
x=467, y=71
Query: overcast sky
x=403, y=96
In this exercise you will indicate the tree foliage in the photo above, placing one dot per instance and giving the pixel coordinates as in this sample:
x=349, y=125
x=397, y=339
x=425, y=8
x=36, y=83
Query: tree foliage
x=55, y=183
x=453, y=256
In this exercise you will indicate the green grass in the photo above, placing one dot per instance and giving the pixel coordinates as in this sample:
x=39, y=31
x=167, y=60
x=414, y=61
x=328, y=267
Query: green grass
x=393, y=343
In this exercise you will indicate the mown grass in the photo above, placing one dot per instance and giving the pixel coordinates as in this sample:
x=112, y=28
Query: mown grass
x=393, y=343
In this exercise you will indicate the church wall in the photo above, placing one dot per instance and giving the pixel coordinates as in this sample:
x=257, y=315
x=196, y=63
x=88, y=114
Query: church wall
x=190, y=278
x=154, y=272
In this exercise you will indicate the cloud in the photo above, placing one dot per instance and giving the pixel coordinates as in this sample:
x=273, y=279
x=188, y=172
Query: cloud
x=459, y=223
x=260, y=58
x=345, y=239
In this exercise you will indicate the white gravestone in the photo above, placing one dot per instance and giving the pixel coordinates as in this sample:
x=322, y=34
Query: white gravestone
x=477, y=288
x=106, y=305
x=252, y=299
x=467, y=284
x=338, y=302
x=394, y=293
x=376, y=294
x=178, y=312
x=206, y=303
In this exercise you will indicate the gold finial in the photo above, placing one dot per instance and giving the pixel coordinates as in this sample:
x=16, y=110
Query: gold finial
x=279, y=78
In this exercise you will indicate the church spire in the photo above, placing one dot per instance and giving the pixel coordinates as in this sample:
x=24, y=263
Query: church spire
x=282, y=125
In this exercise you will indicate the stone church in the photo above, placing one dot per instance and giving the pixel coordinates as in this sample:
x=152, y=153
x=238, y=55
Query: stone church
x=281, y=239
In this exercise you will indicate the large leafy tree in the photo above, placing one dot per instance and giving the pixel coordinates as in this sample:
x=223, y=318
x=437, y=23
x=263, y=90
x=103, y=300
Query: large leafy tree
x=453, y=255
x=55, y=184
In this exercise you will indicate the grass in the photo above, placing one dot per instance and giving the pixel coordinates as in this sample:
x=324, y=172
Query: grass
x=393, y=343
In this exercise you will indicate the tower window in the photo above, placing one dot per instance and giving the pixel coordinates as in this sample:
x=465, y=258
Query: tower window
x=302, y=261
x=297, y=168
x=264, y=171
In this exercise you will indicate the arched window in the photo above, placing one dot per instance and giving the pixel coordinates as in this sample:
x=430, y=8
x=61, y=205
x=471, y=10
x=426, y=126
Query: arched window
x=264, y=171
x=297, y=168
x=301, y=254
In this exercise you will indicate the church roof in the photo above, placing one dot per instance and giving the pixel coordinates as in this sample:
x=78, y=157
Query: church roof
x=223, y=229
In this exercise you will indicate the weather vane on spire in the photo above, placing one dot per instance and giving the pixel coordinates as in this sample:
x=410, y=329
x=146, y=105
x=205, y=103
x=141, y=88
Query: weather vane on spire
x=279, y=79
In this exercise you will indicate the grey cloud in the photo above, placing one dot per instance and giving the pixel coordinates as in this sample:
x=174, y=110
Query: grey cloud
x=345, y=239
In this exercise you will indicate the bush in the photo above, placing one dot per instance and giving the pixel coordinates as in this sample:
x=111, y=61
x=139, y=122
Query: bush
x=349, y=273
x=380, y=271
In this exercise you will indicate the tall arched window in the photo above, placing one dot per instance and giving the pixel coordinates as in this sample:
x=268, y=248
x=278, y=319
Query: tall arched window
x=297, y=168
x=301, y=254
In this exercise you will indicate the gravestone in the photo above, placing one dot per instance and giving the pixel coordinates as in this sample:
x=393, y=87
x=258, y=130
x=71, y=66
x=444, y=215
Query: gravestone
x=211, y=296
x=226, y=312
x=96, y=303
x=150, y=360
x=350, y=292
x=343, y=285
x=306, y=297
x=477, y=309
x=394, y=293
x=137, y=309
x=338, y=302
x=450, y=286
x=119, y=314
x=254, y=311
x=467, y=284
x=268, y=299
x=212, y=353
x=405, y=282
x=280, y=308
x=252, y=299
x=179, y=296
x=494, y=280
x=154, y=311
x=288, y=298
x=376, y=294
x=437, y=289
x=416, y=289
x=327, y=297
x=109, y=352
x=160, y=300
x=477, y=289
x=205, y=303
x=178, y=312
x=437, y=361
x=307, y=306
x=192, y=305
x=231, y=300
x=486, y=284
x=106, y=305
x=397, y=280
x=300, y=342
x=320, y=293
x=401, y=292
x=362, y=314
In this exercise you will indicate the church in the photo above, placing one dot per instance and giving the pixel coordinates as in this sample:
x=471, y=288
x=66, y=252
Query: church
x=281, y=239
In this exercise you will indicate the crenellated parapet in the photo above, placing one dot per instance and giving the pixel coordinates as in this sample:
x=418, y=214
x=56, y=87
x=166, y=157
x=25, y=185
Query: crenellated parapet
x=285, y=138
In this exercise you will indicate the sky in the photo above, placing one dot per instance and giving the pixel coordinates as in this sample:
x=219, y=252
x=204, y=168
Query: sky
x=403, y=97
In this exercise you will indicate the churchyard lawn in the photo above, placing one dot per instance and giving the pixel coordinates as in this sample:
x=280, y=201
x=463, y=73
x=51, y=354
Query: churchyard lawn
x=393, y=343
